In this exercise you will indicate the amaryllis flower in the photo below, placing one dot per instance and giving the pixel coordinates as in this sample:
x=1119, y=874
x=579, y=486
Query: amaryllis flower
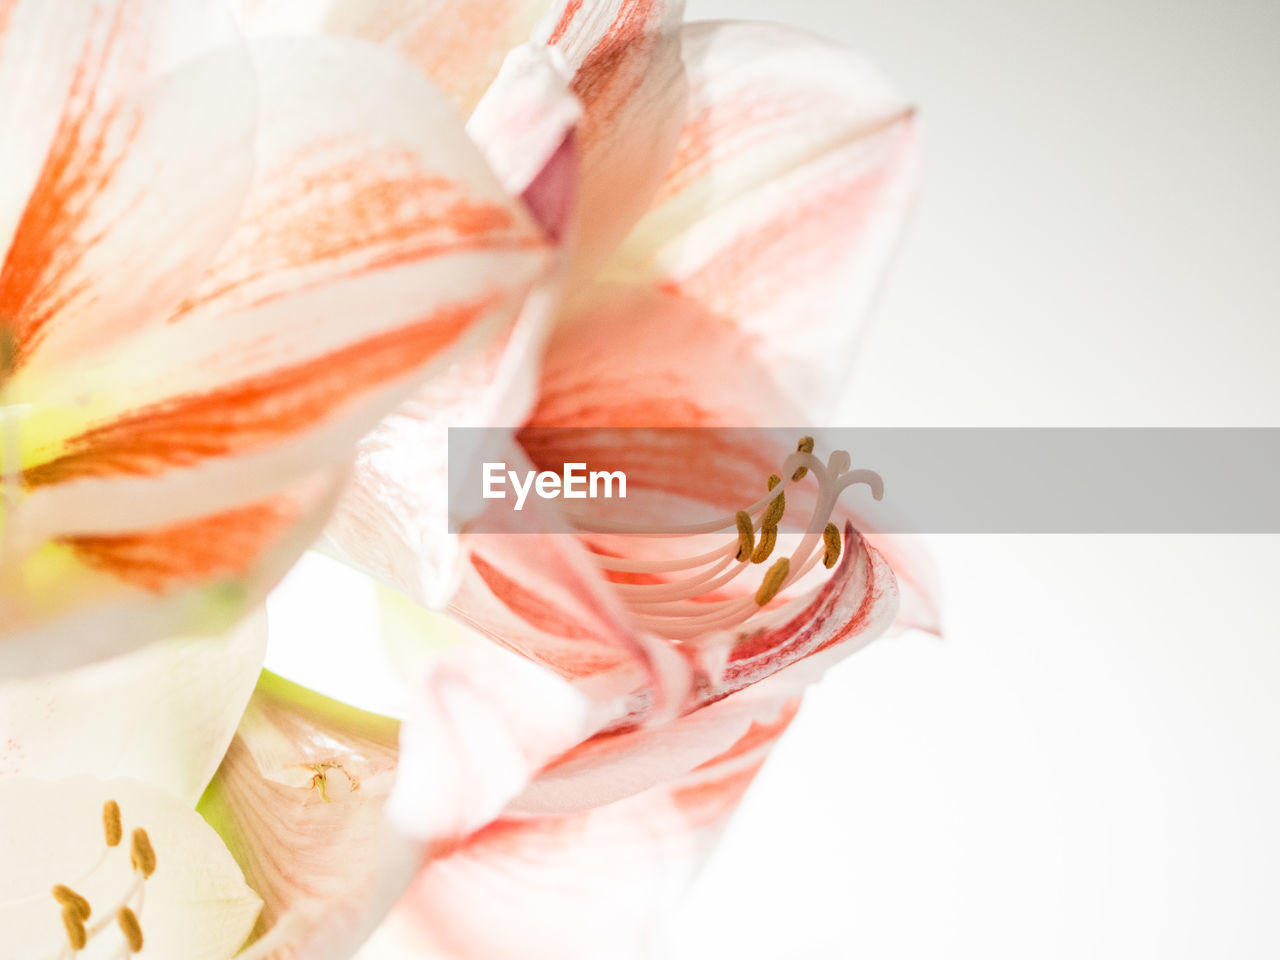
x=113, y=845
x=734, y=193
x=220, y=262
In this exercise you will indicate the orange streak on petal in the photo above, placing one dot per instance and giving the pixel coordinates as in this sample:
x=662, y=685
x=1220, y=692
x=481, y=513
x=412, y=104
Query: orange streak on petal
x=257, y=411
x=221, y=546
x=372, y=212
x=36, y=276
x=566, y=21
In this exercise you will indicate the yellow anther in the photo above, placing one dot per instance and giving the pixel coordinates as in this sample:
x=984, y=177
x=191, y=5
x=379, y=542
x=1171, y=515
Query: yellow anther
x=69, y=898
x=774, y=480
x=746, y=535
x=777, y=507
x=831, y=539
x=77, y=935
x=129, y=926
x=768, y=537
x=141, y=854
x=111, y=825
x=804, y=446
x=772, y=582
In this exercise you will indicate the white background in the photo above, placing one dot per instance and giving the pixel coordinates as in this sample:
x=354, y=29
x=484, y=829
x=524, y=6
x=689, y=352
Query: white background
x=1087, y=766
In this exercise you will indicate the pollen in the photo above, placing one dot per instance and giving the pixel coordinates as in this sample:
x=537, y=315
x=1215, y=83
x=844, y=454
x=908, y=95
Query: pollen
x=804, y=446
x=127, y=920
x=773, y=581
x=689, y=594
x=768, y=539
x=111, y=825
x=68, y=898
x=831, y=541
x=77, y=935
x=141, y=854
x=777, y=507
x=746, y=535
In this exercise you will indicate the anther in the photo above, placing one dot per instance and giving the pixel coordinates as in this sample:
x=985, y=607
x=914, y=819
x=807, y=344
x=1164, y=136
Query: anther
x=77, y=935
x=768, y=537
x=804, y=446
x=111, y=825
x=746, y=535
x=141, y=854
x=131, y=928
x=67, y=897
x=774, y=480
x=831, y=540
x=777, y=507
x=773, y=581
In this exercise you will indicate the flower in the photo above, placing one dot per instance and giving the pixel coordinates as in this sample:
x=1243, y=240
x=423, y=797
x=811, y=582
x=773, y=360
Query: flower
x=736, y=196
x=221, y=261
x=713, y=190
x=286, y=852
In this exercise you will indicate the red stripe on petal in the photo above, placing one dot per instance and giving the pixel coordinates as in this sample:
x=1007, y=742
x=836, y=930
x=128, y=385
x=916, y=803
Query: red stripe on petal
x=566, y=21
x=86, y=151
x=373, y=212
x=758, y=735
x=218, y=547
x=257, y=411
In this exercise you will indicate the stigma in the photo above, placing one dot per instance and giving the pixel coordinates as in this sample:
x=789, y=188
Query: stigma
x=685, y=597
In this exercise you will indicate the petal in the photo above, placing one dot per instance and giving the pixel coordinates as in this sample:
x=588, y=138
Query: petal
x=163, y=715
x=393, y=523
x=300, y=796
x=598, y=883
x=763, y=669
x=919, y=592
x=534, y=589
x=786, y=199
x=459, y=44
x=298, y=801
x=640, y=357
x=612, y=767
x=79, y=601
x=197, y=905
x=133, y=121
x=855, y=606
x=525, y=116
x=373, y=243
x=629, y=78
x=484, y=722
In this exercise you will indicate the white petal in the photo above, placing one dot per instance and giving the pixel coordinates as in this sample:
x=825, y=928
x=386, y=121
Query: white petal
x=163, y=715
x=197, y=906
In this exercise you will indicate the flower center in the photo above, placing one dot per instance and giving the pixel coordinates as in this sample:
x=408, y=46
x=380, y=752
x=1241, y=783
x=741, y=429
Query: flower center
x=683, y=597
x=81, y=922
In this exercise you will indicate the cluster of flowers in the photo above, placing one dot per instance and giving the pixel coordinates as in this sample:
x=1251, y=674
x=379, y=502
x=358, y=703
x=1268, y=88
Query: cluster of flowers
x=255, y=259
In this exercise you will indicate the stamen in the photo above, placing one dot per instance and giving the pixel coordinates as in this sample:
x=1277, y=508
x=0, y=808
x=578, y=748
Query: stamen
x=111, y=825
x=77, y=935
x=773, y=581
x=746, y=535
x=768, y=538
x=67, y=897
x=141, y=854
x=831, y=540
x=680, y=596
x=804, y=446
x=131, y=928
x=777, y=507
